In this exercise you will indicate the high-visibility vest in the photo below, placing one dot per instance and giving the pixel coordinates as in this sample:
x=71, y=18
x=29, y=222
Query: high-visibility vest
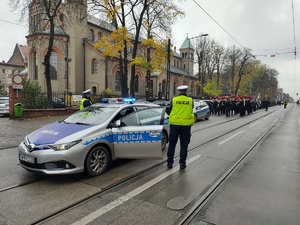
x=182, y=111
x=81, y=103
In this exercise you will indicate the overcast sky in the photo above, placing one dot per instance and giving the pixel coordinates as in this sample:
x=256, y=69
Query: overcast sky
x=264, y=26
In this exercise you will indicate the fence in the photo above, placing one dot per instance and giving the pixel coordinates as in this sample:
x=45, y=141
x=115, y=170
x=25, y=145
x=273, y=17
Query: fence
x=38, y=100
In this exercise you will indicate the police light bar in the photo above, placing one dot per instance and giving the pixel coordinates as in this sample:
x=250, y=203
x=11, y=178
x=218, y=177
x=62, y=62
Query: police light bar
x=128, y=100
x=118, y=100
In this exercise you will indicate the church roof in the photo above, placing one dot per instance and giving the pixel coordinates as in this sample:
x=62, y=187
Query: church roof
x=187, y=43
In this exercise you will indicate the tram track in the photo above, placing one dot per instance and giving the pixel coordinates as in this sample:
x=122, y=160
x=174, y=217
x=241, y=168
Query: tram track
x=202, y=201
x=203, y=198
x=154, y=166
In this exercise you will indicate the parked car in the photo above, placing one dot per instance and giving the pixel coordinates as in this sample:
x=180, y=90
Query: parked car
x=91, y=138
x=201, y=110
x=58, y=103
x=4, y=106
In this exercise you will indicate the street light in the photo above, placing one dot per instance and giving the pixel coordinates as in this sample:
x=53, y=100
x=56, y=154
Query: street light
x=188, y=65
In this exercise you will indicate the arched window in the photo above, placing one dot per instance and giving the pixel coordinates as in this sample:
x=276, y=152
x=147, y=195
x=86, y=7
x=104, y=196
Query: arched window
x=163, y=87
x=99, y=35
x=174, y=88
x=94, y=66
x=136, y=83
x=117, y=81
x=35, y=66
x=91, y=35
x=53, y=66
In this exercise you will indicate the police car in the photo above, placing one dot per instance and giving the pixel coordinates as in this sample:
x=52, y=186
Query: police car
x=201, y=110
x=88, y=140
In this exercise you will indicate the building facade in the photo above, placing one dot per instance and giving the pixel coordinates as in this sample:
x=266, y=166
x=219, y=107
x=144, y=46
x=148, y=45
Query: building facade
x=76, y=65
x=17, y=64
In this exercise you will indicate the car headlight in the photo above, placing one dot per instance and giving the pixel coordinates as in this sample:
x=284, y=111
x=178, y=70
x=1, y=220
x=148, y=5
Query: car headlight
x=64, y=146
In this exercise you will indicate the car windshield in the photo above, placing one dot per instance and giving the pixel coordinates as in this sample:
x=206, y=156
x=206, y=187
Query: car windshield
x=91, y=115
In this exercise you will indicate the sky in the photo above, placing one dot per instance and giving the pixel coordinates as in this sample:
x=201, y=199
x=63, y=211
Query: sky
x=264, y=26
x=267, y=27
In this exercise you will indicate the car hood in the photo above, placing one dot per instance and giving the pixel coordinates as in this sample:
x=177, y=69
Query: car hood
x=53, y=132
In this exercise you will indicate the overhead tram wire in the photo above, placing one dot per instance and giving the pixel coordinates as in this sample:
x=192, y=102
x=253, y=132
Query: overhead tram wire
x=224, y=29
x=294, y=29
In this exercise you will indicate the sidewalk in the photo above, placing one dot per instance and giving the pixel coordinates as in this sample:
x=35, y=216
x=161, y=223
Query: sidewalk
x=13, y=131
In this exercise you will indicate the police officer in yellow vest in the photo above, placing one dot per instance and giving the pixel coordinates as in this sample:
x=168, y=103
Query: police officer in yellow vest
x=86, y=99
x=181, y=120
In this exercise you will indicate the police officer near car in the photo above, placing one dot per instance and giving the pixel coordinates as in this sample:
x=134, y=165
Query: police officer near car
x=86, y=99
x=181, y=120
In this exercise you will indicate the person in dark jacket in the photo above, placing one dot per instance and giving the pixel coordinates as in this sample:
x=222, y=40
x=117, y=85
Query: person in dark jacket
x=86, y=99
x=181, y=120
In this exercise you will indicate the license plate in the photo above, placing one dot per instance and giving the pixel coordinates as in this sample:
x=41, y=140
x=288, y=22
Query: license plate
x=27, y=158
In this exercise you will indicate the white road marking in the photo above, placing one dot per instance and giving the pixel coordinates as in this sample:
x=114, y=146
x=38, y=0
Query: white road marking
x=255, y=124
x=129, y=195
x=222, y=142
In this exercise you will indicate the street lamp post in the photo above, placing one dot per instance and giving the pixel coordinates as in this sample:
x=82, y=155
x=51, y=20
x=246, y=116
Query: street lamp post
x=188, y=65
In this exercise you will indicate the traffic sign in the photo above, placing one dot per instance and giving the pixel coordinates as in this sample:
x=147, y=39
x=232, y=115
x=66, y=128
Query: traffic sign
x=17, y=79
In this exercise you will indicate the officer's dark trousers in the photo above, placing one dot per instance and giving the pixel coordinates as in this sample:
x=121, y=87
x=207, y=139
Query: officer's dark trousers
x=184, y=134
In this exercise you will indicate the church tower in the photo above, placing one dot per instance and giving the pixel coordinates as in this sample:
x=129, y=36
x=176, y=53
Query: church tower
x=187, y=54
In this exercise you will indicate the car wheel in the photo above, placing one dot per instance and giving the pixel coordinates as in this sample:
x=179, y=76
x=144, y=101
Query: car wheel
x=97, y=161
x=164, y=140
x=195, y=118
x=207, y=116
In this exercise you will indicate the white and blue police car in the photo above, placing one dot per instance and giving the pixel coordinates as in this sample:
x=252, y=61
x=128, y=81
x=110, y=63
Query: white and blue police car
x=88, y=140
x=201, y=110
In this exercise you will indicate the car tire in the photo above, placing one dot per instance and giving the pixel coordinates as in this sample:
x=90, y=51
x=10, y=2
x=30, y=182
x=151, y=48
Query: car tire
x=207, y=116
x=97, y=161
x=164, y=140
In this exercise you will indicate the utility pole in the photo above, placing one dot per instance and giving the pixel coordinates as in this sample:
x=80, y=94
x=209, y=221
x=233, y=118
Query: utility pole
x=168, y=71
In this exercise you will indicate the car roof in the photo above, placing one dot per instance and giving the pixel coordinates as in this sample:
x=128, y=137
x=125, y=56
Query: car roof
x=122, y=104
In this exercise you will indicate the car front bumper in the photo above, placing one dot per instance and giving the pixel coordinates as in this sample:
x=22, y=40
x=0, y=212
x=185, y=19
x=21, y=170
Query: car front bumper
x=51, y=162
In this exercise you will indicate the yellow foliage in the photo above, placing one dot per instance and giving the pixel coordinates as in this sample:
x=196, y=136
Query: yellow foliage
x=112, y=45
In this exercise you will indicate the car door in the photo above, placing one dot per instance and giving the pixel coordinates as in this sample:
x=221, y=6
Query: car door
x=139, y=135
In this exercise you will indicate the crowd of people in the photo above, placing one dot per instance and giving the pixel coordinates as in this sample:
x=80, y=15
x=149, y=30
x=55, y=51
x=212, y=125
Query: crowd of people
x=233, y=105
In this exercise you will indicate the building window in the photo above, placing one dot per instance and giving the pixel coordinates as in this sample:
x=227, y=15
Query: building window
x=118, y=81
x=94, y=66
x=174, y=88
x=53, y=66
x=136, y=83
x=164, y=87
x=99, y=36
x=91, y=35
x=35, y=66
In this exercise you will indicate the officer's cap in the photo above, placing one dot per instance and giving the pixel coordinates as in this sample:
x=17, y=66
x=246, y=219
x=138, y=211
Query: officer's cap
x=182, y=88
x=86, y=92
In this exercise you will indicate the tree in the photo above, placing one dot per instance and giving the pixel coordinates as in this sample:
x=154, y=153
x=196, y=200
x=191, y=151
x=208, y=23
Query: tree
x=155, y=16
x=2, y=89
x=134, y=15
x=33, y=97
x=244, y=67
x=211, y=88
x=46, y=17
